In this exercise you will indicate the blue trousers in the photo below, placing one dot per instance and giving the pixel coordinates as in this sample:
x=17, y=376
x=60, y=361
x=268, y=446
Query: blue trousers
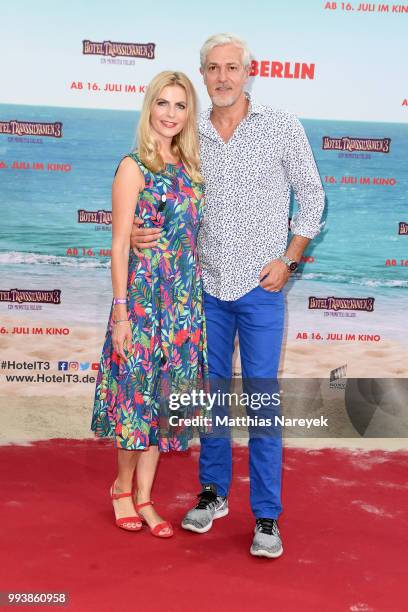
x=258, y=317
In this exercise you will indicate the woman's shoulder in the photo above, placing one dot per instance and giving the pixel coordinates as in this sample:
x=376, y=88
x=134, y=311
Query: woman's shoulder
x=136, y=158
x=130, y=172
x=128, y=163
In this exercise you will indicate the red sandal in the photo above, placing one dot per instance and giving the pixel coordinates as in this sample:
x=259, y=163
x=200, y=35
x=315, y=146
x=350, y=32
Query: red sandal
x=129, y=523
x=159, y=527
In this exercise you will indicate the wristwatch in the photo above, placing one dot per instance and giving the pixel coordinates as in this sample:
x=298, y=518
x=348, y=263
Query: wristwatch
x=291, y=263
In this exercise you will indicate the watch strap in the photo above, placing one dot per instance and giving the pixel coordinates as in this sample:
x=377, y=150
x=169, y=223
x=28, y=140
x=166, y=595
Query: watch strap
x=290, y=263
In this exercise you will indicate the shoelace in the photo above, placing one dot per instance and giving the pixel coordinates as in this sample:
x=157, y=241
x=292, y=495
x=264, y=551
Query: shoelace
x=268, y=526
x=206, y=498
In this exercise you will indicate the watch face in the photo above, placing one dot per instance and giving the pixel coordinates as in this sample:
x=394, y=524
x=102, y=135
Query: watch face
x=292, y=266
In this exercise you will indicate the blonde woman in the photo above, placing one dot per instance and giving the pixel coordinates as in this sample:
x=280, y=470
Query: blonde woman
x=155, y=342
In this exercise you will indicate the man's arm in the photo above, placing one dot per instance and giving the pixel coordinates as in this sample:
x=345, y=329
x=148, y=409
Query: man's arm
x=276, y=271
x=143, y=237
x=304, y=178
x=296, y=248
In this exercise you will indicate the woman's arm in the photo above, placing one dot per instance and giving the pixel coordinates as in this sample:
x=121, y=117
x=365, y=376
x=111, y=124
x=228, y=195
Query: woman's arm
x=126, y=187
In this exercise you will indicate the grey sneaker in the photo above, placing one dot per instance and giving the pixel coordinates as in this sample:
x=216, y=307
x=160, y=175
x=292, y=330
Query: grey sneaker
x=267, y=541
x=210, y=506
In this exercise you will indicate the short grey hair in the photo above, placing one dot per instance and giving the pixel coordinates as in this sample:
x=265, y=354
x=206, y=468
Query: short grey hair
x=225, y=39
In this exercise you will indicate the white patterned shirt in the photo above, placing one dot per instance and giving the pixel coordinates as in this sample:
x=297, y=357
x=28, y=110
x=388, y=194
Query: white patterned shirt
x=248, y=183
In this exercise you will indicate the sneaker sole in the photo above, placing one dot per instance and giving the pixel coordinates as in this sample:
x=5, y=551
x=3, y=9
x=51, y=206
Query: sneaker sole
x=217, y=515
x=266, y=553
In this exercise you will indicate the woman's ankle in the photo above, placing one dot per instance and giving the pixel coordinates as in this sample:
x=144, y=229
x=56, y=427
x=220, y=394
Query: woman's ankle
x=142, y=496
x=123, y=485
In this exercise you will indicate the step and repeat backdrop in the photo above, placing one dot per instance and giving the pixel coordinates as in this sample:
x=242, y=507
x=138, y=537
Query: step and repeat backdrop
x=73, y=80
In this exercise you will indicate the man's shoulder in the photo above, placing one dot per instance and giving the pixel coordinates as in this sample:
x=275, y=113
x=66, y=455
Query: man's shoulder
x=277, y=115
x=204, y=124
x=204, y=116
x=204, y=113
x=273, y=116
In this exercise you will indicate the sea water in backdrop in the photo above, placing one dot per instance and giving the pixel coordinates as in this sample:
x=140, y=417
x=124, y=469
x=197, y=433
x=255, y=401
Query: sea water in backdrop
x=40, y=229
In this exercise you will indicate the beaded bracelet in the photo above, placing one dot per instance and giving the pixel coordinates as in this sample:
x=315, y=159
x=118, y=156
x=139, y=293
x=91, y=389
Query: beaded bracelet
x=121, y=321
x=119, y=301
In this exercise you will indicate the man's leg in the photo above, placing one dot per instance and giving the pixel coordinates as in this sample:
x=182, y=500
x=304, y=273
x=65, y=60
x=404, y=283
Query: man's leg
x=215, y=455
x=260, y=317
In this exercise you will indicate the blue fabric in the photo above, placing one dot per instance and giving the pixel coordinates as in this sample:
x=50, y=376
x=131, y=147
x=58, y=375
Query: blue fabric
x=258, y=317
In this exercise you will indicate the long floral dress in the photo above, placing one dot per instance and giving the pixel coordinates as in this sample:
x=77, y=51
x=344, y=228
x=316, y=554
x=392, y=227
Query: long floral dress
x=164, y=302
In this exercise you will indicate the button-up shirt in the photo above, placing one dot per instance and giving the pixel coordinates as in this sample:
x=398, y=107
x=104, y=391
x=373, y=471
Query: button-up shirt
x=248, y=182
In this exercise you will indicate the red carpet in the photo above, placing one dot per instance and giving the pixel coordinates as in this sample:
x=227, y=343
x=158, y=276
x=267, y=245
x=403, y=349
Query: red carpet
x=344, y=531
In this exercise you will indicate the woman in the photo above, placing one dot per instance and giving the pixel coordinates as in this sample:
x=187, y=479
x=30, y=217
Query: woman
x=155, y=342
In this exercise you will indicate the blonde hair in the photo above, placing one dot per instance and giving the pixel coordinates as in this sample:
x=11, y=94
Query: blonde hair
x=185, y=143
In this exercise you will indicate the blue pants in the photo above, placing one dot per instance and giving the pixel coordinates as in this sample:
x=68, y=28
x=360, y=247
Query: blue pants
x=259, y=317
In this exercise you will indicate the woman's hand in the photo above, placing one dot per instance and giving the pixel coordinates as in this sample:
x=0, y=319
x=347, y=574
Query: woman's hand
x=122, y=338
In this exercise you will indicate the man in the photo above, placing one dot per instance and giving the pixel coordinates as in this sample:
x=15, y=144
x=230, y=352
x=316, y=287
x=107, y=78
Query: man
x=251, y=157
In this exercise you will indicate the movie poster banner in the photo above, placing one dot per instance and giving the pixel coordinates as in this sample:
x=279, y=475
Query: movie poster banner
x=68, y=114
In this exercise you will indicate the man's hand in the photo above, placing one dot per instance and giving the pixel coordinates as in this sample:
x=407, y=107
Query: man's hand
x=143, y=237
x=275, y=275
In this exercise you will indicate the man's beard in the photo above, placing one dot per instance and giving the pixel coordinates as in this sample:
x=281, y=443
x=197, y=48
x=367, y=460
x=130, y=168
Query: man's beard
x=221, y=101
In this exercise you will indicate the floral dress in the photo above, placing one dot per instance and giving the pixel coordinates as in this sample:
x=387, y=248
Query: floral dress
x=165, y=308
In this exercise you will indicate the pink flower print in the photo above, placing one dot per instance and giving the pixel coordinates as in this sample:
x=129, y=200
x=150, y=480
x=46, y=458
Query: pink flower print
x=176, y=359
x=139, y=310
x=195, y=336
x=138, y=397
x=175, y=444
x=181, y=336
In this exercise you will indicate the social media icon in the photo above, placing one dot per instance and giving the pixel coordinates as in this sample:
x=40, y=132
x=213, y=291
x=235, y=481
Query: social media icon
x=63, y=365
x=84, y=365
x=73, y=365
x=95, y=365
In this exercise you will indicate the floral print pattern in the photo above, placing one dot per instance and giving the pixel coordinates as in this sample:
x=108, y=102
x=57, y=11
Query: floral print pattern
x=165, y=308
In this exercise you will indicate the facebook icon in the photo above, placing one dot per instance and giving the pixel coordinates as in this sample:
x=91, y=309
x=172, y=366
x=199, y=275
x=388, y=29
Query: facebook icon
x=63, y=365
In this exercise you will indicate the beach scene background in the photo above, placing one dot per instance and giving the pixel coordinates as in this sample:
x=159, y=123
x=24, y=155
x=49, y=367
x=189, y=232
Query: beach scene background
x=359, y=253
x=43, y=243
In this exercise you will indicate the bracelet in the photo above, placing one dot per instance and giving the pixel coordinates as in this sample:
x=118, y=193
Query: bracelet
x=119, y=301
x=121, y=321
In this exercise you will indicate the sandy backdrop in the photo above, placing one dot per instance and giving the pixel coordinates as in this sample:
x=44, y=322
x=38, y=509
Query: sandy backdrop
x=35, y=411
